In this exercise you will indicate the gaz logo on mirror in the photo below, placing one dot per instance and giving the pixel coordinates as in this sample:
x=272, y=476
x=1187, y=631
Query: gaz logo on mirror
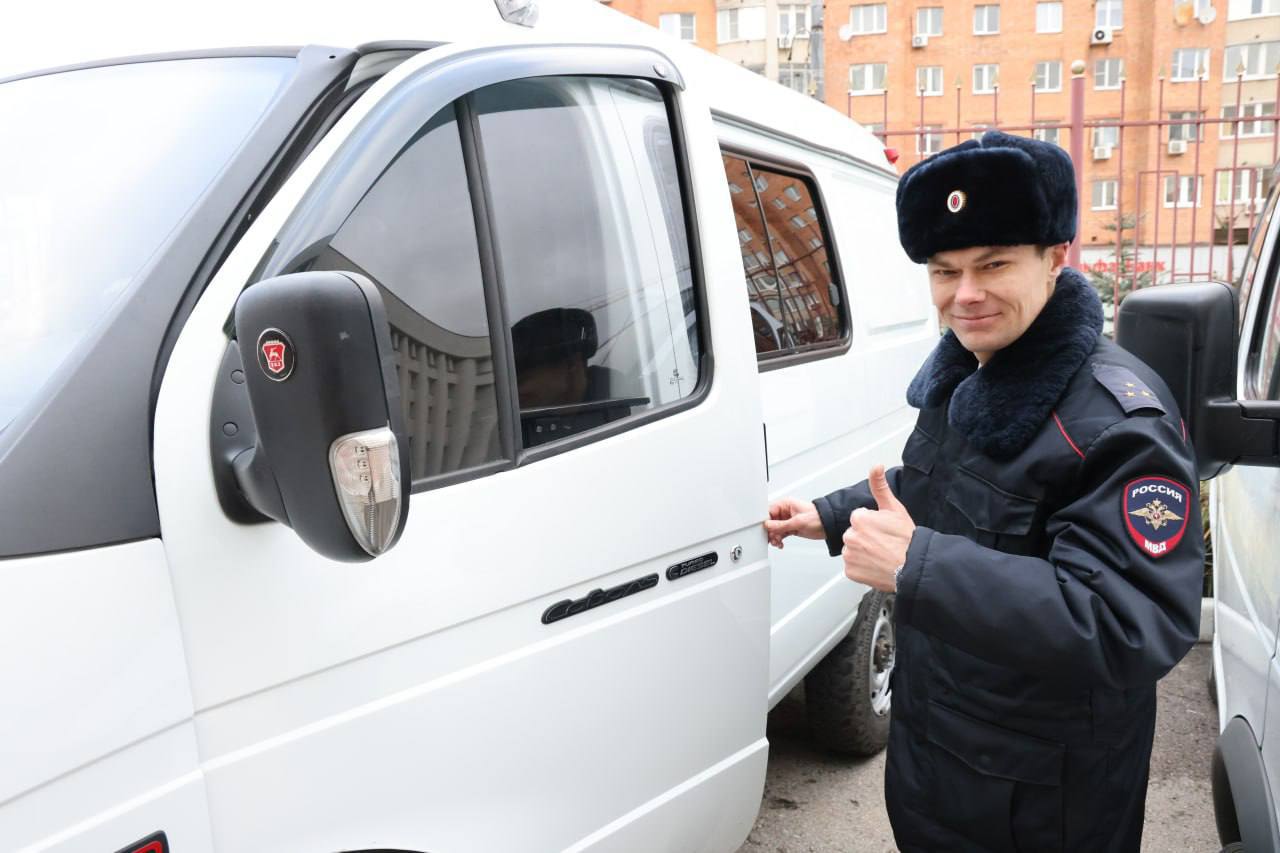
x=276, y=355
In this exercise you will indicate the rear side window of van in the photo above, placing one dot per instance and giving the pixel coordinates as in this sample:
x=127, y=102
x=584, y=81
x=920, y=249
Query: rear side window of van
x=793, y=292
x=571, y=188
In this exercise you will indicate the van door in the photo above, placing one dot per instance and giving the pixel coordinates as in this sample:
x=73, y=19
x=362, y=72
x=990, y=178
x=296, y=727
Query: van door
x=528, y=215
x=1247, y=498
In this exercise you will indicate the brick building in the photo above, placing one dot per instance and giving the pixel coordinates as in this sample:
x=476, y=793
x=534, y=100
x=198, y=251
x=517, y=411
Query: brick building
x=941, y=64
x=690, y=20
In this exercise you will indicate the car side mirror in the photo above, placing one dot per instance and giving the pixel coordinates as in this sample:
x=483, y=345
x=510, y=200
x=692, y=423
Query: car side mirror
x=1187, y=334
x=329, y=458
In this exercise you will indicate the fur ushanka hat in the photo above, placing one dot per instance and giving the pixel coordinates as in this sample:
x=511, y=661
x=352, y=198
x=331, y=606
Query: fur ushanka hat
x=999, y=190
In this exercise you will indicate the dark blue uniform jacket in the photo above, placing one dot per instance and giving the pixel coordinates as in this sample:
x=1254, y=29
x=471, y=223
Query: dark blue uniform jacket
x=1055, y=575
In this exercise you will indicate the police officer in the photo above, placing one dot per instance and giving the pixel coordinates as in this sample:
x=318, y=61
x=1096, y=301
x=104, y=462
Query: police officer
x=1042, y=533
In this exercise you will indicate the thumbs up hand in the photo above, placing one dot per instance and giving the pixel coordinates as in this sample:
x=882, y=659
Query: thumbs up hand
x=876, y=542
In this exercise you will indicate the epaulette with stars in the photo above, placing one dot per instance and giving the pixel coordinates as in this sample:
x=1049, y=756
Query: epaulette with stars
x=1130, y=392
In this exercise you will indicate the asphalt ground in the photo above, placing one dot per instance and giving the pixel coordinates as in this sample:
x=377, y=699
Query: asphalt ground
x=818, y=803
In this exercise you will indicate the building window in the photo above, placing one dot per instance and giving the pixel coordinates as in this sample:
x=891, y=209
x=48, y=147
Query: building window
x=745, y=24
x=794, y=301
x=928, y=139
x=1104, y=194
x=1048, y=134
x=1189, y=63
x=929, y=79
x=1246, y=187
x=1109, y=13
x=727, y=25
x=1185, y=132
x=1049, y=17
x=929, y=21
x=1259, y=60
x=868, y=18
x=797, y=76
x=793, y=20
x=1178, y=190
x=1106, y=137
x=867, y=79
x=1107, y=73
x=978, y=130
x=1257, y=127
x=1240, y=9
x=678, y=24
x=986, y=20
x=1049, y=76
x=985, y=78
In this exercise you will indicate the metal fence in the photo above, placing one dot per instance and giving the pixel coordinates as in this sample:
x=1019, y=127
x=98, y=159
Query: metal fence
x=1133, y=211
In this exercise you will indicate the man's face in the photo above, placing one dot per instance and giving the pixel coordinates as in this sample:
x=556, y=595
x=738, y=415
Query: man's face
x=988, y=295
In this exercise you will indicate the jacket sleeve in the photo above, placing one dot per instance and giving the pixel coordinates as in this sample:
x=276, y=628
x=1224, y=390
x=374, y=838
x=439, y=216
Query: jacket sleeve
x=834, y=509
x=1099, y=610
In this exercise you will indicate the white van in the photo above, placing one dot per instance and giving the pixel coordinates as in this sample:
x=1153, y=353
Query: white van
x=387, y=424
x=1244, y=509
x=1218, y=348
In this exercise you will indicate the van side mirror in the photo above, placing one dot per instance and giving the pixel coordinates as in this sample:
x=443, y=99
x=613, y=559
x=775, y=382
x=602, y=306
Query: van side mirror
x=330, y=458
x=1187, y=334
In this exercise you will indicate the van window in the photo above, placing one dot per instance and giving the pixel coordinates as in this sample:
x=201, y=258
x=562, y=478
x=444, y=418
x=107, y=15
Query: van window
x=107, y=160
x=1262, y=378
x=413, y=234
x=1263, y=372
x=794, y=298
x=770, y=332
x=1250, y=271
x=581, y=245
x=592, y=245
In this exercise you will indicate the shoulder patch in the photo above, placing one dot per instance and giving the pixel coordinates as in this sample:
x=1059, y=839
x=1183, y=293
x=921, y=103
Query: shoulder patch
x=1156, y=510
x=1130, y=392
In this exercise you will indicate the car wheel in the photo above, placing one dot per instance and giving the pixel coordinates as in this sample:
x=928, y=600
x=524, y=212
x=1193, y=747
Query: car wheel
x=847, y=694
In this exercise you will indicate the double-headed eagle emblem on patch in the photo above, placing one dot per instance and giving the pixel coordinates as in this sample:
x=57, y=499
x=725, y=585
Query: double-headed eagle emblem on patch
x=1154, y=500
x=1156, y=514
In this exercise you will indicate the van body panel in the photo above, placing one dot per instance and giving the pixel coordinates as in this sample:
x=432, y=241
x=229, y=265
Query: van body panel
x=125, y=796
x=96, y=719
x=707, y=812
x=106, y=672
x=529, y=750
x=1247, y=589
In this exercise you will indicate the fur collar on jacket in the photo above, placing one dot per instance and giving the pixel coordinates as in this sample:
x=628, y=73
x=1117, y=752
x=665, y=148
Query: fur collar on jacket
x=999, y=408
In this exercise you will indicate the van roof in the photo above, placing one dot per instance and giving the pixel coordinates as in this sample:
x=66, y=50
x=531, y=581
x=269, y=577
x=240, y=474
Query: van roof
x=141, y=27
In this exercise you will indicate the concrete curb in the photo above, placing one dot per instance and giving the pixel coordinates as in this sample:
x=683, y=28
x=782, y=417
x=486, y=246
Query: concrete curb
x=1206, y=620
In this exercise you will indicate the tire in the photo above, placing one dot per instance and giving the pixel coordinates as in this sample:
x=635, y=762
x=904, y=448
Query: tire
x=847, y=693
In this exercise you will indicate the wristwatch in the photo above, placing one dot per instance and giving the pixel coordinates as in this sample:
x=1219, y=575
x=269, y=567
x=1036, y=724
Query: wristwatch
x=897, y=572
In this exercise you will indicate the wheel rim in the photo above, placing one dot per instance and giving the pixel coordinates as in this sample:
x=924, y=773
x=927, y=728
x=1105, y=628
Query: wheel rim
x=883, y=651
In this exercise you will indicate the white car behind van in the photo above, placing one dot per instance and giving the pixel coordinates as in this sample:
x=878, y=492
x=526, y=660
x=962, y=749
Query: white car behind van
x=390, y=402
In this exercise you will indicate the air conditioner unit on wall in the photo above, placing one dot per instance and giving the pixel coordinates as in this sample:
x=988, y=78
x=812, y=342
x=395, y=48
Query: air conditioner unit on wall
x=785, y=41
x=919, y=41
x=1101, y=35
x=1177, y=146
x=1102, y=152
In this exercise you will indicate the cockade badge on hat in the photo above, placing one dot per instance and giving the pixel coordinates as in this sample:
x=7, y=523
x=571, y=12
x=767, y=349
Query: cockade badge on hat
x=955, y=201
